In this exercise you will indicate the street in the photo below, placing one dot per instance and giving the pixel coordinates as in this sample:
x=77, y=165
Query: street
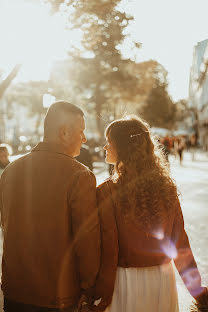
x=192, y=181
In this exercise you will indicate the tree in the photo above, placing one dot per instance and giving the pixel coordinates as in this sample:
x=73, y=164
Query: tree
x=7, y=81
x=102, y=79
x=146, y=73
x=30, y=94
x=159, y=109
x=183, y=111
x=3, y=86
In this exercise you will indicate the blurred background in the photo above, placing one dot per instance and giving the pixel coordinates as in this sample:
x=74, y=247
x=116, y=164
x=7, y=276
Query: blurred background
x=112, y=58
x=109, y=57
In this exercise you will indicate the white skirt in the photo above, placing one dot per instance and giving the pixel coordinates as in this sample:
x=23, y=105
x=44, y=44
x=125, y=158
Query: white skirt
x=150, y=289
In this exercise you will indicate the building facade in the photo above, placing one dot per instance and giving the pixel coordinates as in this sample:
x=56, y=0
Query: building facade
x=198, y=91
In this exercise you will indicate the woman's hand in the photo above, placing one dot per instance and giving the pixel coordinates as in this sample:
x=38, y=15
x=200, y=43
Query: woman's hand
x=201, y=304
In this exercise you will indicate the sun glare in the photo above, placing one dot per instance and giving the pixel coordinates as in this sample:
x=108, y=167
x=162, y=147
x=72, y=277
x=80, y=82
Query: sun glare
x=31, y=36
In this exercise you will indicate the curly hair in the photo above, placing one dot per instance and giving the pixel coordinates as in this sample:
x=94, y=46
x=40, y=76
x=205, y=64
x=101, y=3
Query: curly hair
x=147, y=192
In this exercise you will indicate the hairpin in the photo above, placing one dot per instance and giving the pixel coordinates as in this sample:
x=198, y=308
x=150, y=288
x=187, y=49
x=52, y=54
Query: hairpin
x=134, y=135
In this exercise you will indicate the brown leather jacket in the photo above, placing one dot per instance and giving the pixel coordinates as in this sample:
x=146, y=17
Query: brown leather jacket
x=51, y=250
x=126, y=244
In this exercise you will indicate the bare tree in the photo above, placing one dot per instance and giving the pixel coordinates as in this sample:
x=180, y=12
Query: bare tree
x=7, y=81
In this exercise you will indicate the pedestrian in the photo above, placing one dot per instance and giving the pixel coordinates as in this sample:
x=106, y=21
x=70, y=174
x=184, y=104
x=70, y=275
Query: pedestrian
x=49, y=219
x=142, y=227
x=181, y=147
x=193, y=146
x=166, y=141
x=4, y=157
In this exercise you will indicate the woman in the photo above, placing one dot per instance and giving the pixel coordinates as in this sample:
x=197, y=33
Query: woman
x=142, y=226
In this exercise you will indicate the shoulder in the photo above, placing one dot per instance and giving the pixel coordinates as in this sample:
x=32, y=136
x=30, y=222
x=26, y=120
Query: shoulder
x=80, y=167
x=105, y=186
x=10, y=168
x=83, y=173
x=106, y=190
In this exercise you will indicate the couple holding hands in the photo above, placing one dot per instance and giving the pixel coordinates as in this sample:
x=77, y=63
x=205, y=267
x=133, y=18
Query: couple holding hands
x=68, y=246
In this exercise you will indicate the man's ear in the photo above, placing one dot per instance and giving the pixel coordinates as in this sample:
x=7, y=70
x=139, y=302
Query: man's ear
x=62, y=132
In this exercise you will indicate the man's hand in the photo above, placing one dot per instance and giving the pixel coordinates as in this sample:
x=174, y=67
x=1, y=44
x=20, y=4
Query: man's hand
x=85, y=308
x=82, y=303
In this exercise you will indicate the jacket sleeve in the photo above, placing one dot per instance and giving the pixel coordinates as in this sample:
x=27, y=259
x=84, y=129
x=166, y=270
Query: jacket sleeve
x=184, y=259
x=86, y=229
x=109, y=247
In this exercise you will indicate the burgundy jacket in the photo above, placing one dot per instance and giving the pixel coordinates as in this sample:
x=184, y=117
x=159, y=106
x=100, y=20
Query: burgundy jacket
x=126, y=244
x=51, y=250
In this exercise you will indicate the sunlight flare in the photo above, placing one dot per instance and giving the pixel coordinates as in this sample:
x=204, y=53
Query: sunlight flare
x=31, y=36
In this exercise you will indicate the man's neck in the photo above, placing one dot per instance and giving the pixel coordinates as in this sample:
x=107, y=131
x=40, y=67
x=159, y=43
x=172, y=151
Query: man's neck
x=58, y=143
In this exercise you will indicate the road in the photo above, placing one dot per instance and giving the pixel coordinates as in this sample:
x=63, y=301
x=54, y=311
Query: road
x=192, y=181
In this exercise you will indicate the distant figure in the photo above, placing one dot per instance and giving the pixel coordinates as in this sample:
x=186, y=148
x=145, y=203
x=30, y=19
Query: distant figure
x=4, y=157
x=49, y=220
x=166, y=141
x=193, y=145
x=181, y=147
x=85, y=157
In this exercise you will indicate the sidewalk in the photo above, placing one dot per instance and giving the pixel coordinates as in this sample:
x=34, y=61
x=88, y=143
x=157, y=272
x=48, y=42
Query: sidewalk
x=190, y=156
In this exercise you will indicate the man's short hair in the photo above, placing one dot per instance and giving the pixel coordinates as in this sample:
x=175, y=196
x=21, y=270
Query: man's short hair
x=57, y=112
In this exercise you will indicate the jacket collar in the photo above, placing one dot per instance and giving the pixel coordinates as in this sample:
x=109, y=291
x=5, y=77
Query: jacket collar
x=50, y=147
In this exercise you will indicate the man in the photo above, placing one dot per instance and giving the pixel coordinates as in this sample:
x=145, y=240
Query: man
x=4, y=157
x=49, y=220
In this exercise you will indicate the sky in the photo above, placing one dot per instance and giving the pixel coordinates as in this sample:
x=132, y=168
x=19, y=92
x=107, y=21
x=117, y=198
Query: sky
x=167, y=29
x=30, y=36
